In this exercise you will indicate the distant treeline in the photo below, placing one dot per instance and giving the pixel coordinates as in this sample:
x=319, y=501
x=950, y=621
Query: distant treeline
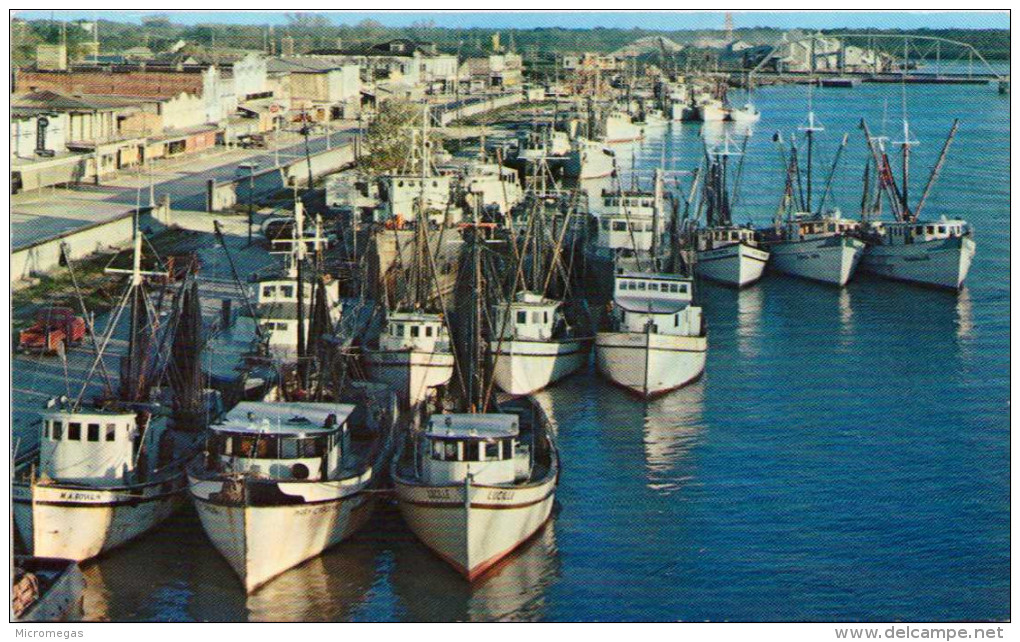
x=312, y=31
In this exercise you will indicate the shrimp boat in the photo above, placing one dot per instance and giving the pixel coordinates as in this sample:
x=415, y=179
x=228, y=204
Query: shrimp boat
x=726, y=253
x=280, y=482
x=475, y=482
x=412, y=353
x=619, y=127
x=935, y=253
x=623, y=224
x=809, y=242
x=107, y=473
x=539, y=335
x=655, y=339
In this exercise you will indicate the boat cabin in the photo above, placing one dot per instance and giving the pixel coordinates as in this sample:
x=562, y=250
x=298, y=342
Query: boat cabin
x=907, y=233
x=276, y=304
x=400, y=195
x=656, y=303
x=711, y=238
x=806, y=226
x=529, y=317
x=419, y=331
x=97, y=446
x=303, y=441
x=533, y=146
x=485, y=446
x=495, y=184
x=626, y=221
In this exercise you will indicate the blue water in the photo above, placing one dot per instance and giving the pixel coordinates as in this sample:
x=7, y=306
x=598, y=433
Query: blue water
x=845, y=457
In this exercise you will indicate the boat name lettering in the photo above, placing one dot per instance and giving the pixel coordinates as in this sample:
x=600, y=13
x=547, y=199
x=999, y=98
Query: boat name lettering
x=438, y=493
x=501, y=495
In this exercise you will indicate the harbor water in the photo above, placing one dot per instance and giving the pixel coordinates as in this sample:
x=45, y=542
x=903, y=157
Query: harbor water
x=845, y=456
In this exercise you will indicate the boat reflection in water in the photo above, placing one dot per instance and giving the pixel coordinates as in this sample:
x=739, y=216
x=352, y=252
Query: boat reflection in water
x=846, y=319
x=428, y=589
x=750, y=302
x=674, y=425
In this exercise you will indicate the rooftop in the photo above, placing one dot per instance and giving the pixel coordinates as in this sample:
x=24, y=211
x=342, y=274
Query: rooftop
x=484, y=426
x=294, y=418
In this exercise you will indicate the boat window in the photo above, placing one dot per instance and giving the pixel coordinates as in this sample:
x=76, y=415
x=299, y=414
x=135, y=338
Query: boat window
x=653, y=287
x=545, y=317
x=522, y=316
x=676, y=320
x=414, y=331
x=287, y=291
x=734, y=236
x=619, y=226
x=437, y=450
x=428, y=331
x=93, y=432
x=642, y=285
x=313, y=447
x=673, y=287
x=491, y=451
x=288, y=449
x=268, y=290
x=605, y=225
x=832, y=228
x=400, y=329
x=919, y=230
x=58, y=430
x=400, y=183
x=281, y=326
x=508, y=448
x=450, y=450
x=471, y=451
x=244, y=446
x=942, y=229
x=683, y=288
x=111, y=432
x=931, y=229
x=646, y=203
x=74, y=431
x=46, y=429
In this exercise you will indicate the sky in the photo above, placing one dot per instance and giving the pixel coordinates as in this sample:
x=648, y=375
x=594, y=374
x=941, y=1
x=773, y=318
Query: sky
x=626, y=20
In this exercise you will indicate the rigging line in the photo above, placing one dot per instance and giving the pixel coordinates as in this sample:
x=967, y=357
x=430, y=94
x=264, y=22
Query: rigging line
x=111, y=326
x=89, y=321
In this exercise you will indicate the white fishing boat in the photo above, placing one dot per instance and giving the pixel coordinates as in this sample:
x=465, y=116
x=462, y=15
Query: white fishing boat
x=809, y=241
x=619, y=127
x=588, y=159
x=499, y=187
x=624, y=223
x=730, y=255
x=106, y=473
x=412, y=354
x=818, y=247
x=746, y=114
x=475, y=486
x=712, y=110
x=280, y=483
x=935, y=253
x=534, y=344
x=726, y=253
x=655, y=339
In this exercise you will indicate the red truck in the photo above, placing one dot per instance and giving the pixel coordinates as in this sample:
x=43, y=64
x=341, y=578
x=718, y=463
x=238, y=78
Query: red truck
x=52, y=327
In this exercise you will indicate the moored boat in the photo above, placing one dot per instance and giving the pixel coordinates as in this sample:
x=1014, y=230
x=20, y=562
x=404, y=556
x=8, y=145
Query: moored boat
x=655, y=339
x=280, y=482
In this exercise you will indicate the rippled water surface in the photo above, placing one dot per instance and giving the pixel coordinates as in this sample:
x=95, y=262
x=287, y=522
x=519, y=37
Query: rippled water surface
x=844, y=457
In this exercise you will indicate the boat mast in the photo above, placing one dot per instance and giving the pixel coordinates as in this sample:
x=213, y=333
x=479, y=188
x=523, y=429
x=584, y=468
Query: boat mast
x=299, y=256
x=810, y=129
x=937, y=169
x=906, y=144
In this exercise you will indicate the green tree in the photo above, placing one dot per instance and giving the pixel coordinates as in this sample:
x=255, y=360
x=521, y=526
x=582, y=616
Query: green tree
x=388, y=140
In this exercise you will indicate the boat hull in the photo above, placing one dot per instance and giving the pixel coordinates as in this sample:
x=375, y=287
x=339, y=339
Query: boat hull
x=474, y=527
x=942, y=264
x=523, y=367
x=738, y=265
x=650, y=364
x=78, y=524
x=832, y=259
x=261, y=542
x=412, y=374
x=588, y=164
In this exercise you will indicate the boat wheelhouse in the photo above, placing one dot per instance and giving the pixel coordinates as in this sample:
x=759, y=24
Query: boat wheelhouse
x=401, y=194
x=655, y=338
x=276, y=299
